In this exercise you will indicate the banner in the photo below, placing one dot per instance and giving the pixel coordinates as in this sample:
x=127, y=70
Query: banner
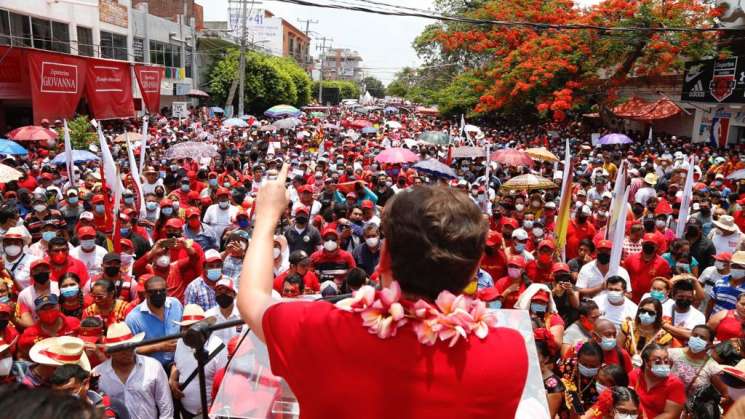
x=108, y=89
x=57, y=82
x=685, y=203
x=715, y=81
x=14, y=82
x=565, y=204
x=69, y=162
x=149, y=78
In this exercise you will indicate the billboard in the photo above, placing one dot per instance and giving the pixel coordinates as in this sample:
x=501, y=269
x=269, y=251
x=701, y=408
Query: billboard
x=262, y=32
x=715, y=81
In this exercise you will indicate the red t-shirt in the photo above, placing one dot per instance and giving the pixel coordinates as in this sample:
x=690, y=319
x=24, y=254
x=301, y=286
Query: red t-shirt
x=575, y=234
x=33, y=334
x=653, y=400
x=611, y=358
x=73, y=265
x=317, y=346
x=495, y=264
x=309, y=279
x=502, y=284
x=334, y=264
x=536, y=273
x=642, y=273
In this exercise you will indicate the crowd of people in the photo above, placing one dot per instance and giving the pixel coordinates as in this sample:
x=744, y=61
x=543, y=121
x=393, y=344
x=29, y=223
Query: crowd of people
x=659, y=336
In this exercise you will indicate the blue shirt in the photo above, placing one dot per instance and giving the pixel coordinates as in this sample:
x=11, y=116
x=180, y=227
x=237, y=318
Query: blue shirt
x=724, y=294
x=484, y=280
x=140, y=319
x=198, y=292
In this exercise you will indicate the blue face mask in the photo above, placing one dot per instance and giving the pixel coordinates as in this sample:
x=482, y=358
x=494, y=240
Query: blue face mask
x=167, y=210
x=185, y=187
x=661, y=371
x=72, y=200
x=69, y=292
x=657, y=295
x=4, y=299
x=214, y=274
x=151, y=206
x=226, y=184
x=607, y=343
x=519, y=247
x=162, y=174
x=124, y=231
x=100, y=208
x=496, y=304
x=586, y=371
x=48, y=235
x=647, y=319
x=129, y=200
x=538, y=308
x=212, y=182
x=242, y=222
x=696, y=344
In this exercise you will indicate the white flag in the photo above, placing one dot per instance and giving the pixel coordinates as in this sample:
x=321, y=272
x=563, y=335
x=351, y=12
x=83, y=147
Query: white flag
x=685, y=203
x=617, y=203
x=651, y=136
x=136, y=176
x=143, y=145
x=69, y=162
x=618, y=235
x=109, y=167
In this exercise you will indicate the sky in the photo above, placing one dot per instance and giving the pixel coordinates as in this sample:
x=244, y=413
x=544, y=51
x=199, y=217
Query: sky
x=384, y=42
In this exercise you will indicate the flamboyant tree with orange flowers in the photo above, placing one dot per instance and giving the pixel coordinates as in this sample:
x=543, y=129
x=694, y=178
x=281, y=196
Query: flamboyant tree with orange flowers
x=553, y=70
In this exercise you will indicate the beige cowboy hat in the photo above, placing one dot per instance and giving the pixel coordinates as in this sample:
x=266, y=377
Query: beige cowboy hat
x=193, y=313
x=651, y=179
x=60, y=350
x=738, y=258
x=726, y=223
x=120, y=333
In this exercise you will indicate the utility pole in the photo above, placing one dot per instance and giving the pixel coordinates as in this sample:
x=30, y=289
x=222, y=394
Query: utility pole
x=307, y=33
x=242, y=65
x=323, y=49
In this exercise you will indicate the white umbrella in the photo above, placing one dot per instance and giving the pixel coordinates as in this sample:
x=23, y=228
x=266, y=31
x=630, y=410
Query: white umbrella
x=472, y=128
x=393, y=124
x=737, y=175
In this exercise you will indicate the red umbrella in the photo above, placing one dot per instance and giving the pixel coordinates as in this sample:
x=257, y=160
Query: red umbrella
x=396, y=155
x=32, y=133
x=361, y=123
x=512, y=157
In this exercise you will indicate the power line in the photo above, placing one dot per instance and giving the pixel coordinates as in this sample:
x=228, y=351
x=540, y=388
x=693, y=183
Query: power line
x=505, y=23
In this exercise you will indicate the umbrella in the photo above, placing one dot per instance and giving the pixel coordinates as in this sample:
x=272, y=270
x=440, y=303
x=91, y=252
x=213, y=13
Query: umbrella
x=32, y=133
x=737, y=175
x=267, y=128
x=435, y=168
x=192, y=150
x=8, y=174
x=287, y=123
x=390, y=109
x=302, y=134
x=331, y=127
x=279, y=111
x=540, y=153
x=393, y=124
x=512, y=157
x=369, y=130
x=234, y=122
x=217, y=109
x=78, y=156
x=131, y=136
x=11, y=147
x=435, y=137
x=197, y=93
x=317, y=115
x=361, y=123
x=471, y=128
x=528, y=182
x=396, y=155
x=615, y=138
x=468, y=152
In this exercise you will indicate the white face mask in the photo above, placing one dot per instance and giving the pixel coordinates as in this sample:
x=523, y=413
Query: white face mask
x=514, y=272
x=519, y=207
x=372, y=241
x=528, y=224
x=720, y=265
x=737, y=273
x=12, y=250
x=625, y=416
x=5, y=366
x=615, y=297
x=276, y=252
x=538, y=232
x=163, y=261
x=330, y=245
x=88, y=244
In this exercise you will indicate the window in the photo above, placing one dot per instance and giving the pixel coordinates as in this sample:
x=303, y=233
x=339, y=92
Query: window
x=61, y=37
x=187, y=63
x=20, y=30
x=4, y=27
x=113, y=46
x=42, y=30
x=85, y=41
x=176, y=55
x=169, y=55
x=138, y=49
x=157, y=52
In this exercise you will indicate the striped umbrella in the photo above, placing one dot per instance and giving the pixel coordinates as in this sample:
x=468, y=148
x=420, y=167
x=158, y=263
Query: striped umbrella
x=528, y=182
x=279, y=111
x=32, y=133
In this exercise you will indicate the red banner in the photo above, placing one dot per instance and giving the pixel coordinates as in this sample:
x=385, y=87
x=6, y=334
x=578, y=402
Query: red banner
x=13, y=74
x=108, y=88
x=148, y=78
x=57, y=82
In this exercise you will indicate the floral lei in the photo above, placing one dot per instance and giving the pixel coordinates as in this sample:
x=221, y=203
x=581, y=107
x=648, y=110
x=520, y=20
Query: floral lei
x=449, y=319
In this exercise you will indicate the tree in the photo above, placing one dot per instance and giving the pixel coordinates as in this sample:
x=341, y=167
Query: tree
x=81, y=132
x=518, y=69
x=374, y=86
x=347, y=89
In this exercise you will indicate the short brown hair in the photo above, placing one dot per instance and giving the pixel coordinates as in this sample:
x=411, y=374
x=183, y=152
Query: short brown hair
x=435, y=236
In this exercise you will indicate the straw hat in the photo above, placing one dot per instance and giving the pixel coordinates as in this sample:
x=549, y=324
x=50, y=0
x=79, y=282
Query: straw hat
x=120, y=333
x=738, y=371
x=60, y=350
x=726, y=223
x=651, y=179
x=192, y=313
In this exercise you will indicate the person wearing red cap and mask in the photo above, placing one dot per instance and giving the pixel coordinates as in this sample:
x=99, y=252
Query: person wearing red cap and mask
x=61, y=262
x=330, y=262
x=644, y=266
x=539, y=270
x=579, y=228
x=512, y=285
x=219, y=215
x=51, y=323
x=40, y=285
x=494, y=261
x=88, y=251
x=200, y=232
x=593, y=274
x=100, y=219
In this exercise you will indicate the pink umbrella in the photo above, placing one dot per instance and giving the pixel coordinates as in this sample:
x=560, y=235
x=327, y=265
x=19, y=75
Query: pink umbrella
x=396, y=155
x=512, y=157
x=361, y=123
x=32, y=133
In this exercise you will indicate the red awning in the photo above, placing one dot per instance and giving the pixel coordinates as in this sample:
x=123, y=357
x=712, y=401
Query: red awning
x=641, y=110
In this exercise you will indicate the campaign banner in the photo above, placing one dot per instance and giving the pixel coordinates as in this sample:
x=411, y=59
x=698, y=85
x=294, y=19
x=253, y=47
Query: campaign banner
x=715, y=81
x=13, y=74
x=108, y=88
x=57, y=83
x=149, y=78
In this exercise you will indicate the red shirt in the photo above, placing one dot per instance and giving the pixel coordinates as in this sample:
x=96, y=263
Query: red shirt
x=502, y=284
x=9, y=334
x=309, y=279
x=334, y=264
x=611, y=358
x=34, y=333
x=575, y=234
x=317, y=346
x=495, y=264
x=537, y=273
x=652, y=400
x=71, y=265
x=642, y=273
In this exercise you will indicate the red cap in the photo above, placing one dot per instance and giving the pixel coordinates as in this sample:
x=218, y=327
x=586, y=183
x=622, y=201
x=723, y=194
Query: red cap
x=191, y=211
x=192, y=196
x=605, y=244
x=330, y=231
x=86, y=231
x=174, y=223
x=206, y=200
x=559, y=267
x=305, y=188
x=222, y=192
x=367, y=204
x=493, y=238
x=649, y=238
x=518, y=261
x=38, y=262
x=97, y=199
x=127, y=243
x=547, y=243
x=165, y=202
x=488, y=294
x=723, y=257
x=302, y=209
x=510, y=222
x=541, y=295
x=47, y=176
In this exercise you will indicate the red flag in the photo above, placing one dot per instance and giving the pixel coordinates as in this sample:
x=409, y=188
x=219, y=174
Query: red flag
x=449, y=160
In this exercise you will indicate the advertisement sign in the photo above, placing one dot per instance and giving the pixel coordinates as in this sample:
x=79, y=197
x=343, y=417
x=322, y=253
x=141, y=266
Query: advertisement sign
x=109, y=89
x=261, y=31
x=718, y=81
x=57, y=82
x=180, y=110
x=149, y=78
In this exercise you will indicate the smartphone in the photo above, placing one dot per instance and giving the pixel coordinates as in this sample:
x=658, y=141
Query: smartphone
x=169, y=243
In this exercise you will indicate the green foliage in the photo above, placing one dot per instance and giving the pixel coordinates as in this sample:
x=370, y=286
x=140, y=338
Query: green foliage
x=81, y=133
x=374, y=86
x=268, y=81
x=347, y=89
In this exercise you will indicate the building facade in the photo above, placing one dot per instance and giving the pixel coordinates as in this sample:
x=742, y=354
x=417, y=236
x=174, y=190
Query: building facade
x=342, y=64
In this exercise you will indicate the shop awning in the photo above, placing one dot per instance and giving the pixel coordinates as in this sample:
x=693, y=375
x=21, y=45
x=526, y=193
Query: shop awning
x=641, y=110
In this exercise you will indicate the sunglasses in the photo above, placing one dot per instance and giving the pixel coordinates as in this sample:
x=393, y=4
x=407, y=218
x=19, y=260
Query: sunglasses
x=649, y=312
x=156, y=292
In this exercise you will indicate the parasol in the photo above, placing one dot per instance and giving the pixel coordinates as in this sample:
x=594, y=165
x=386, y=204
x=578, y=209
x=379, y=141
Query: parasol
x=279, y=111
x=197, y=93
x=540, y=153
x=435, y=168
x=615, y=138
x=512, y=157
x=191, y=150
x=32, y=133
x=131, y=136
x=528, y=182
x=267, y=128
x=396, y=155
x=287, y=123
x=360, y=123
x=317, y=115
x=471, y=128
x=9, y=174
x=78, y=156
x=217, y=109
x=737, y=175
x=234, y=122
x=469, y=152
x=393, y=124
x=435, y=137
x=390, y=109
x=369, y=130
x=9, y=147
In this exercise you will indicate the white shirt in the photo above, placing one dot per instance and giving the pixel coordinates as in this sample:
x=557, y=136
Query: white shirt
x=723, y=243
x=219, y=219
x=92, y=261
x=708, y=278
x=146, y=394
x=590, y=276
x=687, y=320
x=186, y=364
x=20, y=268
x=315, y=208
x=644, y=194
x=28, y=295
x=225, y=334
x=150, y=187
x=615, y=314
